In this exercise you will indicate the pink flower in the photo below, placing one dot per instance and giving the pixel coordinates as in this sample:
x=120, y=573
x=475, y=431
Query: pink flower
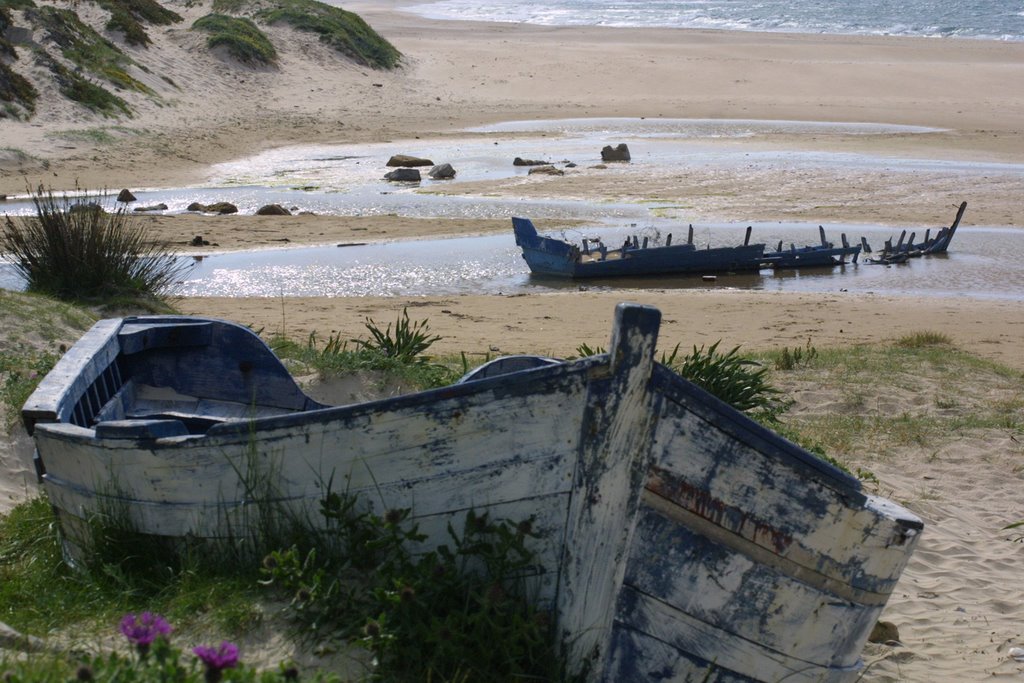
x=216, y=660
x=142, y=630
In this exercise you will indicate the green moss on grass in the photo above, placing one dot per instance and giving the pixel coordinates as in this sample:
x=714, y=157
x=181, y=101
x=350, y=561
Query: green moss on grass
x=239, y=36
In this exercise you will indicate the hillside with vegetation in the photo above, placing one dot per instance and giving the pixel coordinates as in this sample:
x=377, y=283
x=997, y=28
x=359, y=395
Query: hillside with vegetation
x=102, y=56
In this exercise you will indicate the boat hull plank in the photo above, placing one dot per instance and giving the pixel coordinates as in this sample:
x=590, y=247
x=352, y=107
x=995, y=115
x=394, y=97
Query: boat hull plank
x=670, y=645
x=770, y=563
x=395, y=456
x=744, y=596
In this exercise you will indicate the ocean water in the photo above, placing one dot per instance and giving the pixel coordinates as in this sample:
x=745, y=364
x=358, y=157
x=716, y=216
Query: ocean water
x=983, y=19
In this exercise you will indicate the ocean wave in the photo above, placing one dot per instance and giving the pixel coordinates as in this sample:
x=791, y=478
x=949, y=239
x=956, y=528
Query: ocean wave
x=978, y=19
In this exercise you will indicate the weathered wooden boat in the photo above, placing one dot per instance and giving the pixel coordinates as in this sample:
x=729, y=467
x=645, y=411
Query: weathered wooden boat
x=821, y=255
x=752, y=560
x=681, y=540
x=905, y=248
x=549, y=256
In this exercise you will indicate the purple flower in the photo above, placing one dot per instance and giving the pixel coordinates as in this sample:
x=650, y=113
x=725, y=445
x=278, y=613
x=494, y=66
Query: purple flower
x=142, y=630
x=216, y=660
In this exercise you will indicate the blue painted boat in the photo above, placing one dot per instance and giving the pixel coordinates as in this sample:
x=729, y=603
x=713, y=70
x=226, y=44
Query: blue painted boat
x=679, y=539
x=549, y=256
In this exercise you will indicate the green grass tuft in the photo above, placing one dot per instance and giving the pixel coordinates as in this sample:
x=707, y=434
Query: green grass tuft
x=17, y=95
x=924, y=339
x=77, y=251
x=128, y=17
x=85, y=48
x=240, y=37
x=344, y=31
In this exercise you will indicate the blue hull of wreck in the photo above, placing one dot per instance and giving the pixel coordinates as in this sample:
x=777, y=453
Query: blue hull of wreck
x=547, y=256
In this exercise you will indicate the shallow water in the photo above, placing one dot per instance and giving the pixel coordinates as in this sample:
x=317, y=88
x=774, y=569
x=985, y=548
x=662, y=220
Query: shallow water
x=982, y=263
x=348, y=180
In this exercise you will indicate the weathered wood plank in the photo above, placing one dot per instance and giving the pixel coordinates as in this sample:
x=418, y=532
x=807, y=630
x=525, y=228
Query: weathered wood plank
x=770, y=492
x=673, y=646
x=618, y=429
x=472, y=434
x=750, y=596
x=145, y=334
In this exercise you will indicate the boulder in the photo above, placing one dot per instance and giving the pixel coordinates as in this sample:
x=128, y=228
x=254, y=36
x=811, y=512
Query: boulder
x=619, y=153
x=218, y=207
x=519, y=161
x=125, y=196
x=198, y=241
x=546, y=170
x=403, y=174
x=406, y=161
x=155, y=207
x=442, y=172
x=222, y=208
x=273, y=210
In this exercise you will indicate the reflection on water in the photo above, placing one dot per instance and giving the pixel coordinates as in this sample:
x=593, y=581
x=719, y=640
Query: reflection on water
x=982, y=263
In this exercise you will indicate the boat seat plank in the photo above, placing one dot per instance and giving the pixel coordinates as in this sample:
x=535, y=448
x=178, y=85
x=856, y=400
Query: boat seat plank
x=140, y=429
x=135, y=337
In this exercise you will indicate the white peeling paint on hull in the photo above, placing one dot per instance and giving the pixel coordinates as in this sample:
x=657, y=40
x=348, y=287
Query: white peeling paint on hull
x=542, y=445
x=767, y=565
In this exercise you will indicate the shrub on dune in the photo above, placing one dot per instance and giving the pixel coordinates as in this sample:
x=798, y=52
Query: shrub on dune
x=76, y=250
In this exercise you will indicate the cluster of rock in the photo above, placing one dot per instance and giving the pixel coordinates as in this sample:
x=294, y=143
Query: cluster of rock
x=407, y=169
x=221, y=208
x=609, y=153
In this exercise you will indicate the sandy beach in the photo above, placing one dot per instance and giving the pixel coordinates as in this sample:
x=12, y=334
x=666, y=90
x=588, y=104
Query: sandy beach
x=959, y=604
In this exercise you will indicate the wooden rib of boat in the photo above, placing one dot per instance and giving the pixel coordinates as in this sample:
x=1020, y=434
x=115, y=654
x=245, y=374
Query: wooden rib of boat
x=680, y=540
x=821, y=255
x=907, y=249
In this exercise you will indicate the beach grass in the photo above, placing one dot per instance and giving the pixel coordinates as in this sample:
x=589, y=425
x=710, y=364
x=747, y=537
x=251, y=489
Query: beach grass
x=919, y=390
x=342, y=30
x=242, y=39
x=73, y=249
